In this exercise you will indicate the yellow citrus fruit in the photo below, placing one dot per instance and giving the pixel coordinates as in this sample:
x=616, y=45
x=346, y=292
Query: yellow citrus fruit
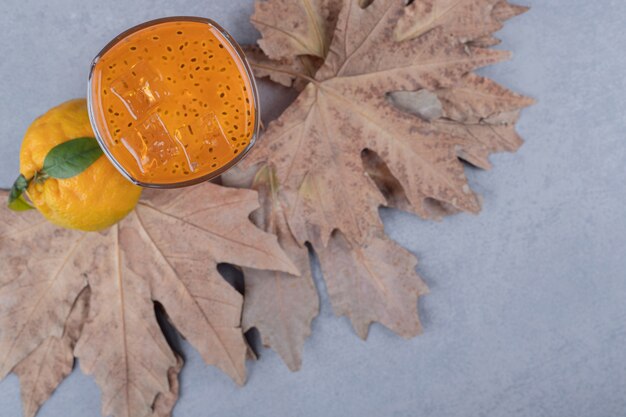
x=96, y=198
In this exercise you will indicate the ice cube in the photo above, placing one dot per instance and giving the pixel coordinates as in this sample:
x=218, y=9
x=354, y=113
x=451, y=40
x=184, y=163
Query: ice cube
x=150, y=144
x=206, y=134
x=140, y=90
x=211, y=131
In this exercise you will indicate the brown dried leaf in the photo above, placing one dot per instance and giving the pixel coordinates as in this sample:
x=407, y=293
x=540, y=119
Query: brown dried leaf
x=295, y=27
x=165, y=401
x=148, y=264
x=503, y=10
x=42, y=371
x=464, y=19
x=373, y=282
x=488, y=139
x=484, y=42
x=475, y=99
x=344, y=147
x=477, y=110
x=286, y=71
x=280, y=305
x=167, y=250
x=43, y=271
x=316, y=144
x=122, y=344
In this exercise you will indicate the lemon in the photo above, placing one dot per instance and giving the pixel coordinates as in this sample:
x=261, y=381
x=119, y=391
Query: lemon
x=93, y=200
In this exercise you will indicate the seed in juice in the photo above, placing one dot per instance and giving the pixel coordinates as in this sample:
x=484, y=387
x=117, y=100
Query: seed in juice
x=167, y=125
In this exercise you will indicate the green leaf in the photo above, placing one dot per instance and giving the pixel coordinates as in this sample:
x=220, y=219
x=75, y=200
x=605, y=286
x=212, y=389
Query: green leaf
x=63, y=161
x=71, y=158
x=20, y=204
x=18, y=187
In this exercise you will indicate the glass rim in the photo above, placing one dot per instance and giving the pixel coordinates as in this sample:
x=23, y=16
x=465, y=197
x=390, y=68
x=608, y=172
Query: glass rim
x=253, y=86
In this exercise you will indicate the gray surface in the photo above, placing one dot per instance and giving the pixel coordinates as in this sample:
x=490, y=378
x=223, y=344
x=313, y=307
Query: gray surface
x=527, y=311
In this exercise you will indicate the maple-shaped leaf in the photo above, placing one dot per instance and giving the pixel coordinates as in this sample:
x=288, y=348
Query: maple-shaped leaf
x=385, y=120
x=167, y=250
x=316, y=144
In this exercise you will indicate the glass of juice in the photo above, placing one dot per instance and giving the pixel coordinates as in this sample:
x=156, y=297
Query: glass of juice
x=173, y=102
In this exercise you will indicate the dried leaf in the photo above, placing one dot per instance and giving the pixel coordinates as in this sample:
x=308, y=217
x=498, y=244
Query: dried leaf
x=42, y=371
x=374, y=282
x=296, y=38
x=122, y=344
x=280, y=305
x=475, y=99
x=286, y=71
x=165, y=401
x=316, y=144
x=484, y=42
x=295, y=27
x=503, y=10
x=167, y=250
x=384, y=121
x=182, y=275
x=43, y=271
x=464, y=19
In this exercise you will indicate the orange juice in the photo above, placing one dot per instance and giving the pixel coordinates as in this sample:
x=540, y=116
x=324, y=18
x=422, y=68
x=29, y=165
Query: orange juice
x=173, y=102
